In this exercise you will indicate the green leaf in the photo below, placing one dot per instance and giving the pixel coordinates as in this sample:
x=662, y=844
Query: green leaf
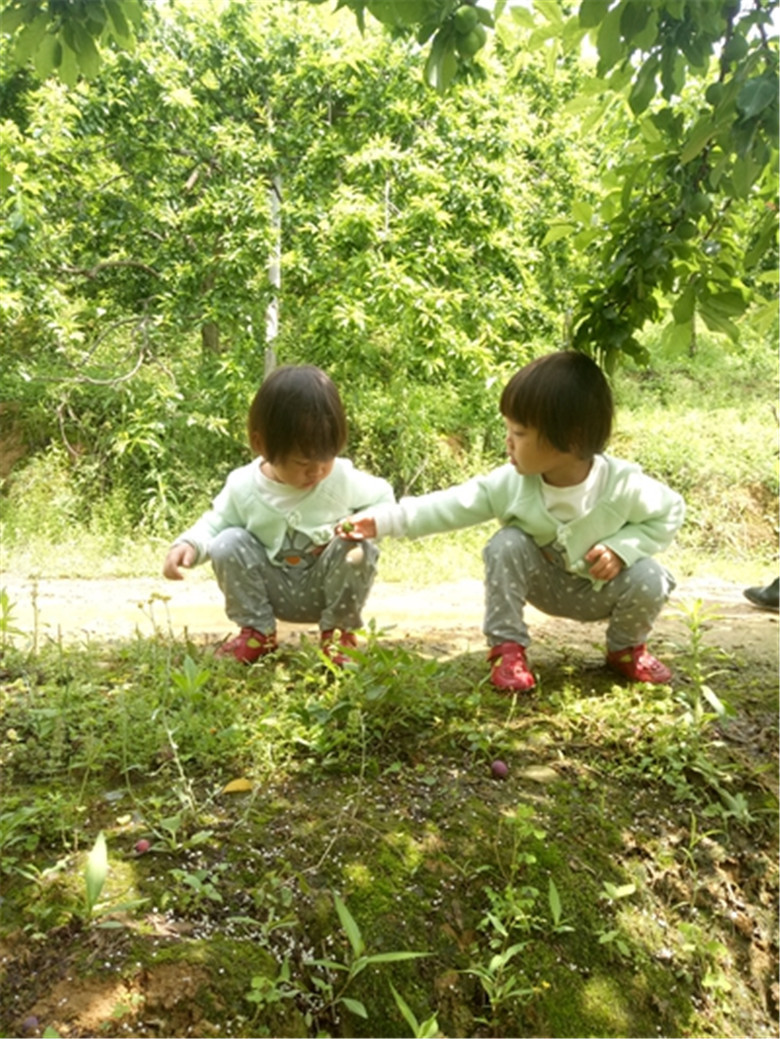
x=672, y=74
x=558, y=231
x=643, y=90
x=633, y=19
x=394, y=957
x=552, y=14
x=697, y=139
x=716, y=322
x=522, y=16
x=355, y=1006
x=744, y=175
x=408, y=1015
x=555, y=901
x=442, y=63
x=618, y=891
x=647, y=36
x=592, y=12
x=12, y=17
x=729, y=303
x=351, y=928
x=68, y=68
x=678, y=337
x=48, y=56
x=757, y=94
x=714, y=701
x=608, y=42
x=684, y=306
x=31, y=35
x=121, y=30
x=86, y=51
x=96, y=871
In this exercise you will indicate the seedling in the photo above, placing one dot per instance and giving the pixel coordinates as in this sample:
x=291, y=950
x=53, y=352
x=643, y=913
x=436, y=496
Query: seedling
x=354, y=964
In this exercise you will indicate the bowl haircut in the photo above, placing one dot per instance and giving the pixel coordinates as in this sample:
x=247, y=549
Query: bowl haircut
x=297, y=410
x=565, y=396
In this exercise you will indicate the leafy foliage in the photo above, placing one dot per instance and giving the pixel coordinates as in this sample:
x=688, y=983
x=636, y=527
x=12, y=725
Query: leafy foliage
x=582, y=179
x=65, y=36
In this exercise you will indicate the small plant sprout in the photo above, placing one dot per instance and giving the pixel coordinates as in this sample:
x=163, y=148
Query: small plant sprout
x=191, y=678
x=8, y=629
x=702, y=705
x=355, y=963
x=556, y=909
x=427, y=1029
x=95, y=872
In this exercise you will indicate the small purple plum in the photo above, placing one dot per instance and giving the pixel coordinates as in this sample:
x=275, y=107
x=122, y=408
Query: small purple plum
x=30, y=1024
x=142, y=846
x=499, y=769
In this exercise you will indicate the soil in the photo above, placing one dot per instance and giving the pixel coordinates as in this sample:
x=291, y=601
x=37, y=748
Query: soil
x=447, y=617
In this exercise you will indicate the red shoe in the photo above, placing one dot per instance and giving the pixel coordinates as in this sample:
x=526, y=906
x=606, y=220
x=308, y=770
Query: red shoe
x=248, y=646
x=637, y=664
x=510, y=672
x=332, y=649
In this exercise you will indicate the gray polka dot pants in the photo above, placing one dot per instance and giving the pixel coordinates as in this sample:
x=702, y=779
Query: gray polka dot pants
x=257, y=593
x=518, y=572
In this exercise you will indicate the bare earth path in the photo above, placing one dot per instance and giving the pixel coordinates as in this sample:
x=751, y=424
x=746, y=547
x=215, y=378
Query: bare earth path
x=447, y=617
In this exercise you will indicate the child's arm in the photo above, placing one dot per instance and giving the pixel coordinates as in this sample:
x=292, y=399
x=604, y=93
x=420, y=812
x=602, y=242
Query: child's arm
x=437, y=512
x=654, y=516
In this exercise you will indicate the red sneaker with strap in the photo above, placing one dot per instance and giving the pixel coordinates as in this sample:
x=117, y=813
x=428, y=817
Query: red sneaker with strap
x=636, y=663
x=509, y=668
x=331, y=647
x=248, y=646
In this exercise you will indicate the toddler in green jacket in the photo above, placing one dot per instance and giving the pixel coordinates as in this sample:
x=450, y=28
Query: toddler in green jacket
x=579, y=528
x=269, y=533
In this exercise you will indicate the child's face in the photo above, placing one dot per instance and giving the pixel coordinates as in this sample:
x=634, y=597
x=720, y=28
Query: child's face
x=300, y=472
x=532, y=454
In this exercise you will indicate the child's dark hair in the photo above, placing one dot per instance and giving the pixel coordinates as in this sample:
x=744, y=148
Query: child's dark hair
x=297, y=408
x=564, y=396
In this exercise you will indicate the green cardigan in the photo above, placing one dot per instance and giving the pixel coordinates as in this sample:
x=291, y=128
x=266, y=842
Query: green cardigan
x=636, y=515
x=241, y=503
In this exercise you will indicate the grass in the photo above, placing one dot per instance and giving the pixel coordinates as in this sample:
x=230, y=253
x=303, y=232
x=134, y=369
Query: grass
x=307, y=828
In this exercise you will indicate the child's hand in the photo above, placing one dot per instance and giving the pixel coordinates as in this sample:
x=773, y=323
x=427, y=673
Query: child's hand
x=178, y=555
x=605, y=563
x=355, y=529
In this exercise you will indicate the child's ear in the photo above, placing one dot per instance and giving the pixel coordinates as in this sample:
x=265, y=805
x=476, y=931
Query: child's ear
x=256, y=443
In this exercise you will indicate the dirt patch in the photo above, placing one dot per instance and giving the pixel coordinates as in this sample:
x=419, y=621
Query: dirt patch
x=448, y=616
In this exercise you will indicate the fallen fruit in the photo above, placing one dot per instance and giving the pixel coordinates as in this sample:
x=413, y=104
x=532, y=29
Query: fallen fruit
x=499, y=769
x=347, y=527
x=142, y=846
